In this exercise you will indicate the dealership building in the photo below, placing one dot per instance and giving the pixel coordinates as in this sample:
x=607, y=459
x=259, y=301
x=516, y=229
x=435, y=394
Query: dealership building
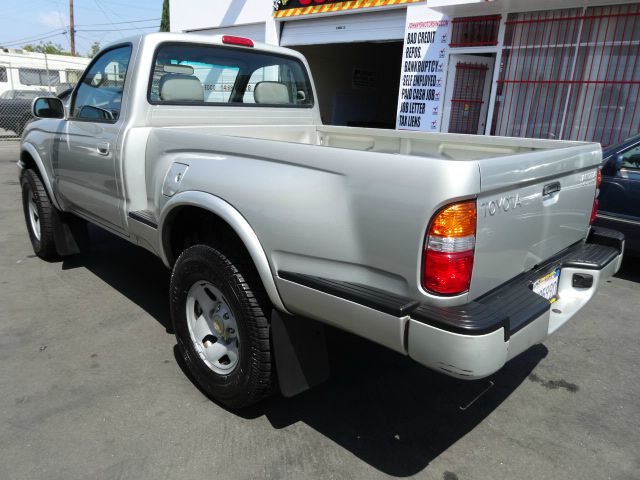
x=545, y=69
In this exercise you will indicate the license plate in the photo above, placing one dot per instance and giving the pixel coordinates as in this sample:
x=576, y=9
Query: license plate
x=547, y=286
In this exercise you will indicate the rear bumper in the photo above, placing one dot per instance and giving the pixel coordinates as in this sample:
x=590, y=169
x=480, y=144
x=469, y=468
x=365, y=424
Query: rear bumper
x=475, y=340
x=469, y=341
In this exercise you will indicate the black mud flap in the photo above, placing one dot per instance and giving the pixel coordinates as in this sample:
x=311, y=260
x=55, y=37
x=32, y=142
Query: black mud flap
x=70, y=234
x=301, y=354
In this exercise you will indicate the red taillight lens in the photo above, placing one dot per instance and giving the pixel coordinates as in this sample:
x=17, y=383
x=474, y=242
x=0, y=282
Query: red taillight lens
x=449, y=248
x=594, y=211
x=448, y=273
x=231, y=40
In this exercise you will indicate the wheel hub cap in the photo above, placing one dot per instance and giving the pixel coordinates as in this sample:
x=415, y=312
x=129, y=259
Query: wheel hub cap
x=212, y=327
x=33, y=216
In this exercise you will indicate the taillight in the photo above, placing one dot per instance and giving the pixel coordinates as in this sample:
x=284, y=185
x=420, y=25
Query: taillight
x=596, y=203
x=448, y=257
x=232, y=40
x=594, y=211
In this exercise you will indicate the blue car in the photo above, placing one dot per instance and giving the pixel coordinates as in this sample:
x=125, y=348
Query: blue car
x=620, y=192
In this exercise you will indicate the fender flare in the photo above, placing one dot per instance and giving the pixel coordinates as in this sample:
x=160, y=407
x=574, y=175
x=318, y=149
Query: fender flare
x=31, y=150
x=236, y=221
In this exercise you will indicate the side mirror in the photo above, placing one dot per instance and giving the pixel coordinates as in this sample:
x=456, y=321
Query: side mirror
x=612, y=164
x=48, y=107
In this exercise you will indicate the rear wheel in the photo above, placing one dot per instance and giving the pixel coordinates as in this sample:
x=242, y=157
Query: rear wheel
x=218, y=309
x=39, y=214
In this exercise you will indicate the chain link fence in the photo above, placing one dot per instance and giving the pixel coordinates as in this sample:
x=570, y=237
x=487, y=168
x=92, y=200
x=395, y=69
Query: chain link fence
x=20, y=85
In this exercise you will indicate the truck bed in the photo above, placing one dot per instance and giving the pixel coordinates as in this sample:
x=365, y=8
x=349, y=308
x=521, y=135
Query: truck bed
x=352, y=181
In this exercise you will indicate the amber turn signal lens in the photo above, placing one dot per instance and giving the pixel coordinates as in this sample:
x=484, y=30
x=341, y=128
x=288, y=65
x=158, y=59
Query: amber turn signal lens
x=457, y=220
x=598, y=178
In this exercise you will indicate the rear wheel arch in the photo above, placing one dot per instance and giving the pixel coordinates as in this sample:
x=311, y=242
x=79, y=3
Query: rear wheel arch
x=197, y=217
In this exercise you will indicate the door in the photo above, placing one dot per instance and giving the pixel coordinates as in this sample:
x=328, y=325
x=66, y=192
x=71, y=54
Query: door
x=85, y=157
x=467, y=93
x=355, y=27
x=620, y=197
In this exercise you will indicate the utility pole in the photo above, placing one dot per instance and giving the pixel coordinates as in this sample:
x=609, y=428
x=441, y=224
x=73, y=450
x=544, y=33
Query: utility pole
x=72, y=30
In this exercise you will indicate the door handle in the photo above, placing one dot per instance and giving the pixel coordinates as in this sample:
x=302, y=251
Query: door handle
x=103, y=148
x=550, y=189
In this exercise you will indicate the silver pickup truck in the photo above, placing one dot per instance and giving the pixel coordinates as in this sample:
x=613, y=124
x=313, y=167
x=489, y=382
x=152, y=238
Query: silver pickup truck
x=459, y=251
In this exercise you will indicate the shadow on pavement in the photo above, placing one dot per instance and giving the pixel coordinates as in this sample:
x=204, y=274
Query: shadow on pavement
x=384, y=408
x=630, y=269
x=391, y=412
x=132, y=271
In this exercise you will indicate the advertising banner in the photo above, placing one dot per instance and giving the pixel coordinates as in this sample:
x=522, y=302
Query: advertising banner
x=290, y=8
x=424, y=65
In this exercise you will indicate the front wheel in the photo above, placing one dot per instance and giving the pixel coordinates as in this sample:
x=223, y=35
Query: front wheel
x=218, y=309
x=39, y=214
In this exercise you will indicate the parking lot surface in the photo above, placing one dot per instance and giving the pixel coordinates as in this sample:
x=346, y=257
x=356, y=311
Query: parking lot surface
x=90, y=388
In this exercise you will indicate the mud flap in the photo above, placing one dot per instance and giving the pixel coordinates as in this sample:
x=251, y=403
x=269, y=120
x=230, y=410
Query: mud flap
x=70, y=234
x=300, y=351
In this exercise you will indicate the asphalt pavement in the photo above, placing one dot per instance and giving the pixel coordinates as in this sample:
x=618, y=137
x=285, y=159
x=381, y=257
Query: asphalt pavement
x=90, y=388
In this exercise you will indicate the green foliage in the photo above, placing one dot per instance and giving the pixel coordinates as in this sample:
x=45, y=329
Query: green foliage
x=49, y=48
x=94, y=49
x=165, y=23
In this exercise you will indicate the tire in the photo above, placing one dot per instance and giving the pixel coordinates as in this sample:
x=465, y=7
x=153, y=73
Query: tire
x=39, y=214
x=219, y=313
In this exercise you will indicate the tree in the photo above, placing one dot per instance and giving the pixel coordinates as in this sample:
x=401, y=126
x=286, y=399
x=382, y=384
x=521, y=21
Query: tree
x=165, y=22
x=93, y=50
x=48, y=48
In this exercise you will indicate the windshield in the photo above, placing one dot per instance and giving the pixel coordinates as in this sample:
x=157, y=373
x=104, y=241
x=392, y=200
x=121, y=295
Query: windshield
x=198, y=74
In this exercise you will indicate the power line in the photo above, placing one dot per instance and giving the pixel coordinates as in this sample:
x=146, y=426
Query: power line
x=30, y=38
x=117, y=23
x=120, y=30
x=35, y=39
x=106, y=16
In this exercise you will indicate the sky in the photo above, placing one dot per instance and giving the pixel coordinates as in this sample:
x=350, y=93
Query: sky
x=105, y=21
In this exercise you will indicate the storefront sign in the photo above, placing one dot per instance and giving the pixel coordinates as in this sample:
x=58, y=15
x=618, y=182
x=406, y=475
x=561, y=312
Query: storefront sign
x=290, y=8
x=424, y=64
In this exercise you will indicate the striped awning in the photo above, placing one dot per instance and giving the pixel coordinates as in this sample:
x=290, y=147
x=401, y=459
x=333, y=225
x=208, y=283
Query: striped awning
x=291, y=9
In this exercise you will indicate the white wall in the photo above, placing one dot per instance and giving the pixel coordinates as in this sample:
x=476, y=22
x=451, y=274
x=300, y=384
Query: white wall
x=200, y=14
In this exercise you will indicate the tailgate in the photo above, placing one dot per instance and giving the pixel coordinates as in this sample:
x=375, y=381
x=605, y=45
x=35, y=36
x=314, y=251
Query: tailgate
x=531, y=207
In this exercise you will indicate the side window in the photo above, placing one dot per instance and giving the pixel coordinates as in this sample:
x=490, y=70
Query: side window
x=3, y=75
x=99, y=96
x=631, y=158
x=40, y=77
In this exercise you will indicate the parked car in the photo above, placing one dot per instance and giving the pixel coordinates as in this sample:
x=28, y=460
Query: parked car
x=620, y=191
x=15, y=108
x=210, y=153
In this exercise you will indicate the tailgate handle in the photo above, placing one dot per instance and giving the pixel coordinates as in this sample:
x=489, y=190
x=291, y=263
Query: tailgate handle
x=550, y=189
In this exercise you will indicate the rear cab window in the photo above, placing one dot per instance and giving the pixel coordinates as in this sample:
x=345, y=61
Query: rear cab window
x=194, y=74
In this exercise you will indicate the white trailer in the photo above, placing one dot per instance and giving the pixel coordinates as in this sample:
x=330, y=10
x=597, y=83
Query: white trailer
x=22, y=70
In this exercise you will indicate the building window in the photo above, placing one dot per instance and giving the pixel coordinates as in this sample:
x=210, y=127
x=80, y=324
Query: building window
x=35, y=76
x=73, y=76
x=3, y=75
x=475, y=31
x=571, y=74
